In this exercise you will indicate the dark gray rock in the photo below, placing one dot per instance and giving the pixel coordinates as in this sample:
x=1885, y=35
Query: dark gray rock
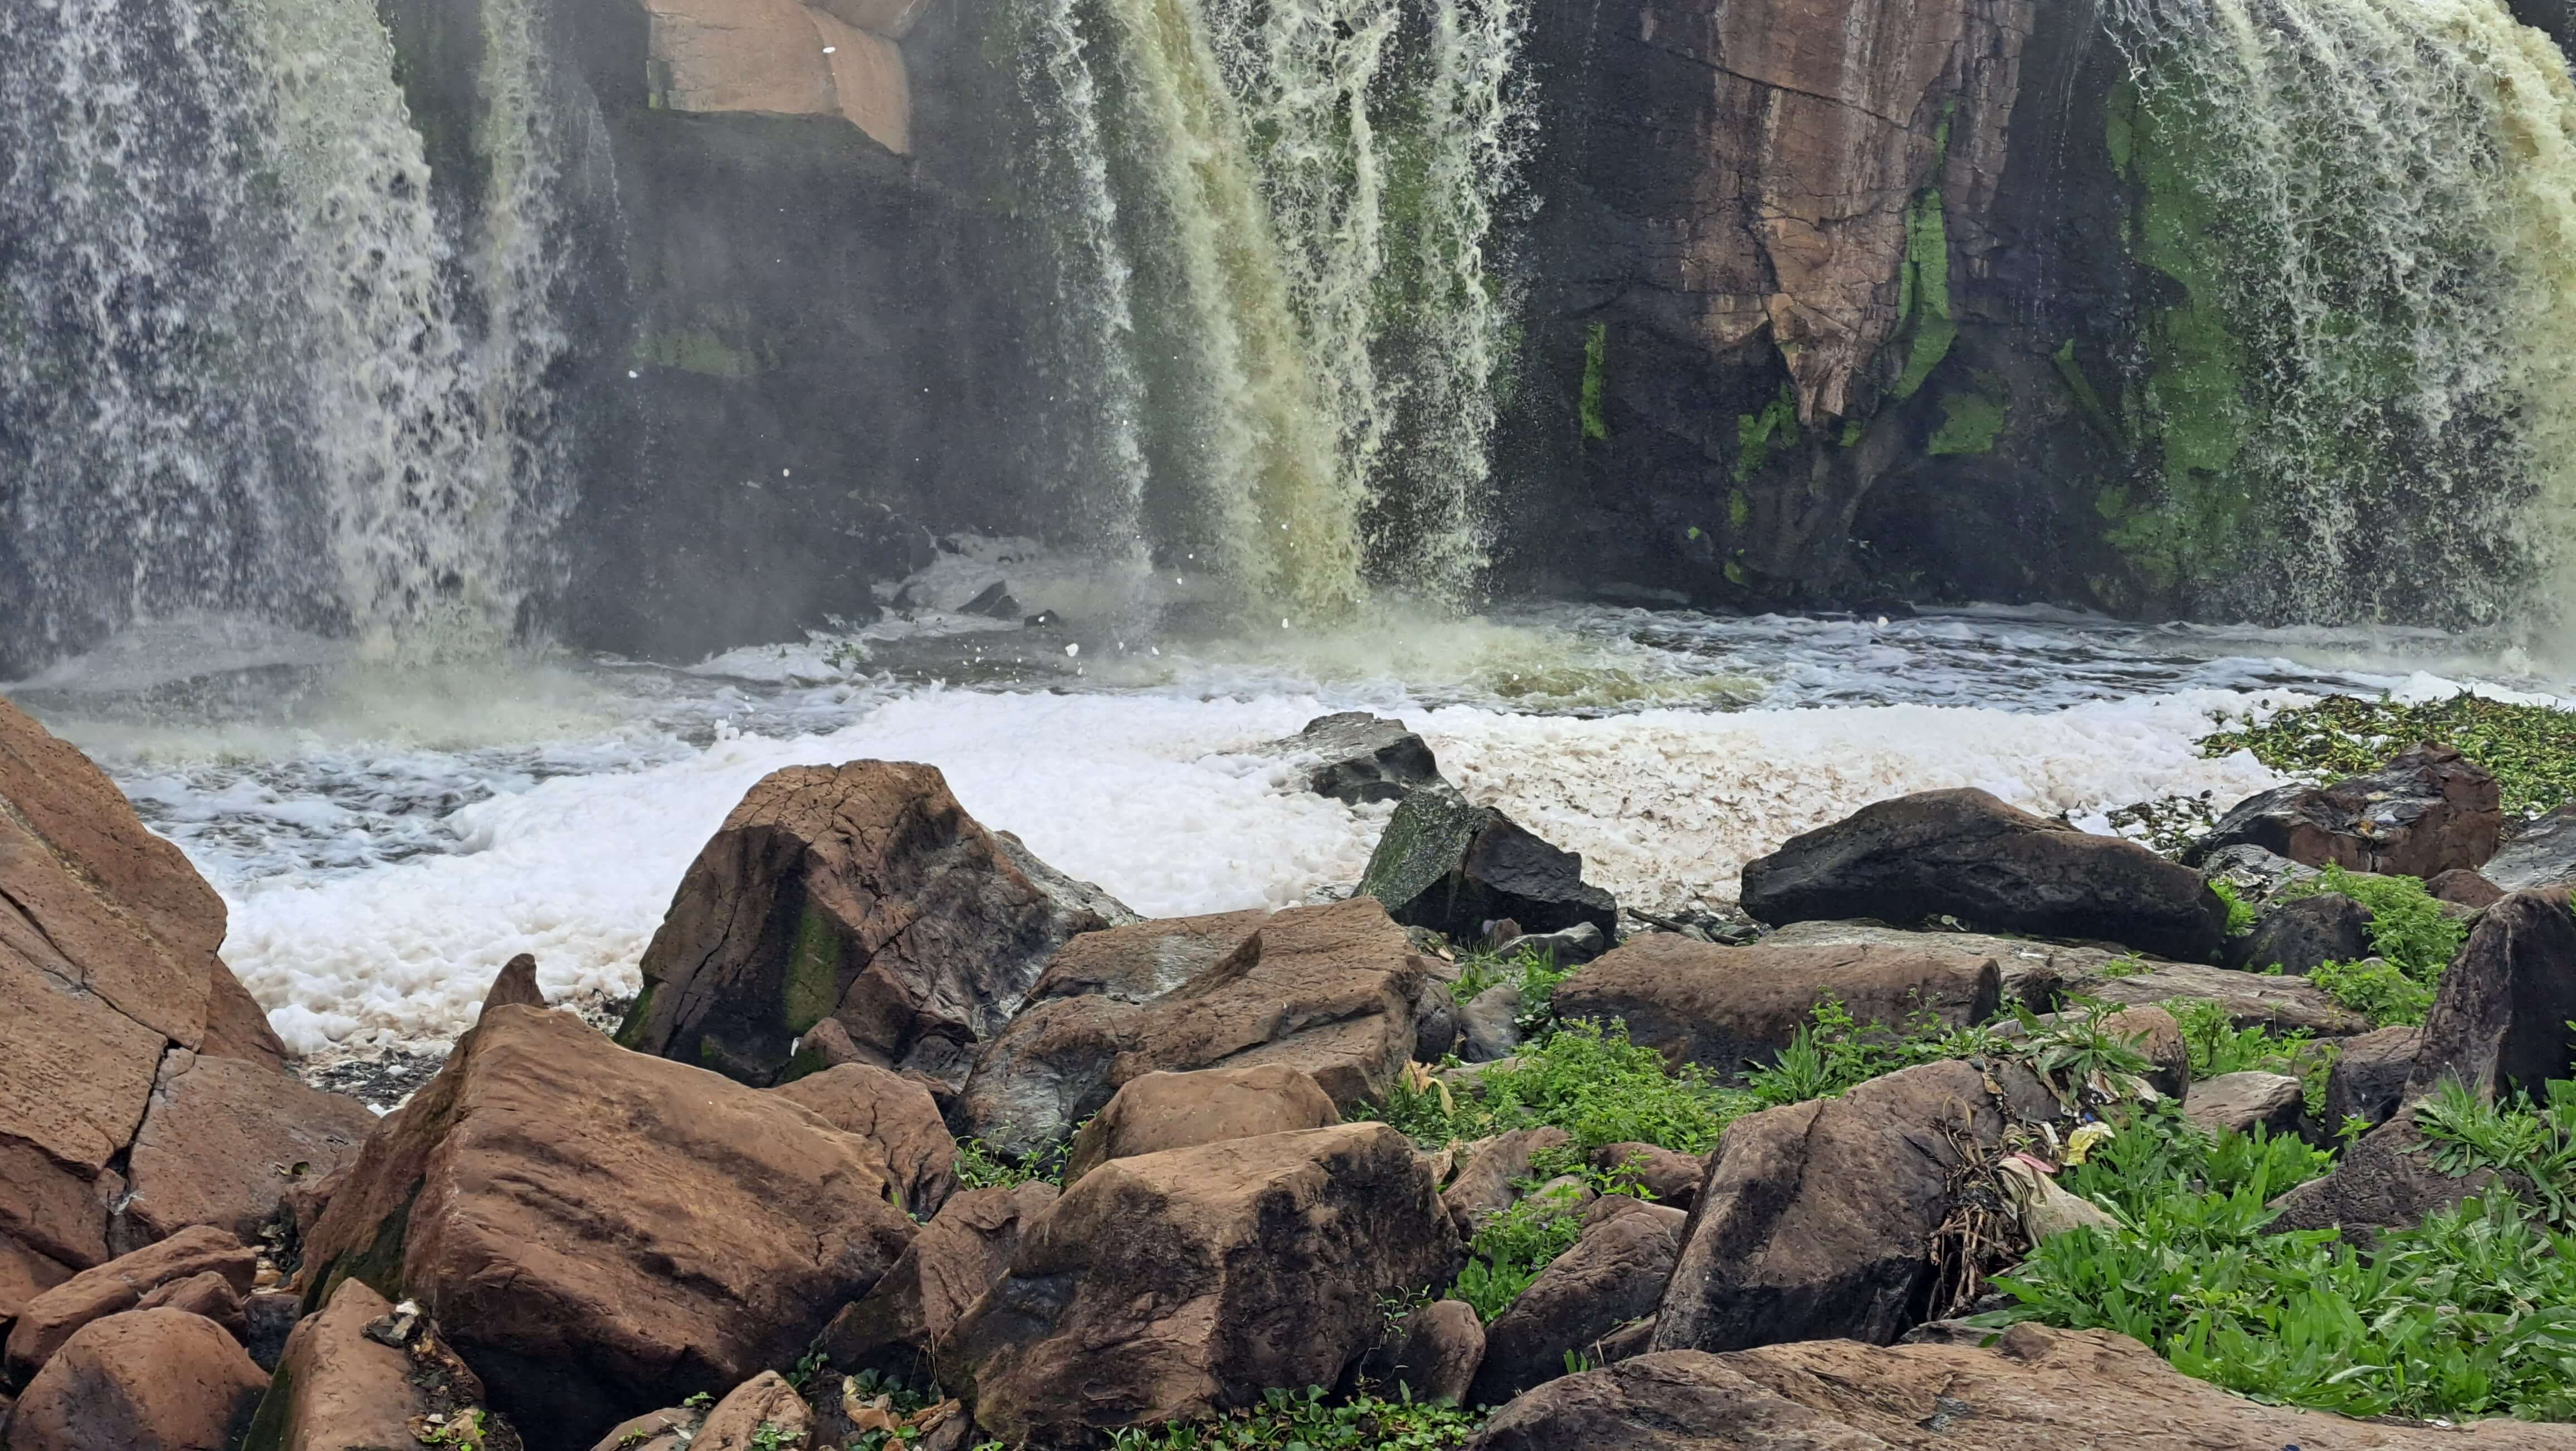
x=2428, y=810
x=1359, y=757
x=1452, y=866
x=1488, y=1025
x=2542, y=854
x=2298, y=935
x=1581, y=942
x=1994, y=868
x=2500, y=1021
x=2368, y=1079
x=2257, y=875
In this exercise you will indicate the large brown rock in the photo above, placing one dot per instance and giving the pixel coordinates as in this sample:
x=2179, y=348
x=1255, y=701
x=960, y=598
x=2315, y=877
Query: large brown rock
x=107, y=963
x=1614, y=1275
x=2034, y=1389
x=895, y=1113
x=224, y=1141
x=1330, y=991
x=339, y=1389
x=48, y=1321
x=2252, y=999
x=863, y=893
x=2384, y=1180
x=1818, y=1219
x=1180, y=1284
x=764, y=1413
x=899, y=1327
x=1966, y=855
x=1183, y=1110
x=1141, y=961
x=2429, y=810
x=2368, y=1079
x=1732, y=1009
x=601, y=1231
x=146, y=1380
x=2500, y=1020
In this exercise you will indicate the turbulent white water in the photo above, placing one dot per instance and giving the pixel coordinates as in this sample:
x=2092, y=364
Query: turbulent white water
x=386, y=839
x=240, y=370
x=2370, y=393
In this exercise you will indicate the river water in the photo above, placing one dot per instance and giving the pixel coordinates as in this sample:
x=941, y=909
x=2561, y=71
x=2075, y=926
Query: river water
x=386, y=839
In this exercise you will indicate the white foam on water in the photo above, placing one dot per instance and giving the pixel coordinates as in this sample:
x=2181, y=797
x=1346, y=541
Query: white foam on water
x=1155, y=798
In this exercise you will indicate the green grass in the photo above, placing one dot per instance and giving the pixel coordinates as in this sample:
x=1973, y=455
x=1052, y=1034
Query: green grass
x=1834, y=1053
x=2516, y=1136
x=2531, y=749
x=2379, y=991
x=981, y=1166
x=1310, y=1421
x=1534, y=972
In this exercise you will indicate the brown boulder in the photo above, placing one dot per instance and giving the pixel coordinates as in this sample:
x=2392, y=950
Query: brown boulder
x=2242, y=1102
x=1818, y=1218
x=222, y=1143
x=1667, y=1176
x=1614, y=1275
x=1489, y=1180
x=516, y=986
x=2368, y=1079
x=1433, y=1355
x=146, y=1380
x=1183, y=1110
x=2252, y=999
x=2500, y=1019
x=1329, y=991
x=52, y=1318
x=2428, y=810
x=340, y=1389
x=1141, y=961
x=896, y=1114
x=2034, y=1389
x=899, y=1327
x=1963, y=854
x=2383, y=1181
x=2034, y=972
x=601, y=1231
x=1730, y=1009
x=206, y=1293
x=2464, y=888
x=764, y=1413
x=862, y=893
x=1181, y=1284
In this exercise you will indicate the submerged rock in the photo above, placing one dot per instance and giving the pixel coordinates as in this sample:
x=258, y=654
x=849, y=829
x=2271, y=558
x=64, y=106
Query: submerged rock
x=1359, y=757
x=1967, y=856
x=1452, y=866
x=2428, y=810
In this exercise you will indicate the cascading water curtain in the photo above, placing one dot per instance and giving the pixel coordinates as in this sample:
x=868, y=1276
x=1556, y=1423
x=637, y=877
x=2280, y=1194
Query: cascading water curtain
x=2362, y=382
x=240, y=371
x=1287, y=229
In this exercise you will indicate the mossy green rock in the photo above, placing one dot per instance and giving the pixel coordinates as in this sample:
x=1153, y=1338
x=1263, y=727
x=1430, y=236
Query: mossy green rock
x=1452, y=866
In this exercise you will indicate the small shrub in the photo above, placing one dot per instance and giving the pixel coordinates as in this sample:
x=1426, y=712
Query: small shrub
x=1310, y=1421
x=2240, y=913
x=2407, y=925
x=2376, y=989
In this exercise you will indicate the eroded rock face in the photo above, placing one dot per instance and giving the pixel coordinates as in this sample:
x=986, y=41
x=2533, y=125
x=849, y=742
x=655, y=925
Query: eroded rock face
x=50, y=1320
x=2500, y=1019
x=1162, y=1111
x=219, y=1133
x=601, y=1231
x=862, y=893
x=1180, y=1284
x=1614, y=1275
x=1330, y=991
x=1731, y=1009
x=899, y=1327
x=2034, y=1388
x=1453, y=866
x=2426, y=812
x=896, y=1114
x=146, y=1380
x=1966, y=855
x=1817, y=1218
x=2542, y=854
x=781, y=58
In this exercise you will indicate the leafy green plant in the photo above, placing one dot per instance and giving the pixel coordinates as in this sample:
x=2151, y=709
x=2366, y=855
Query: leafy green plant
x=2531, y=749
x=981, y=1166
x=2240, y=913
x=2407, y=925
x=1311, y=1421
x=2082, y=1055
x=1586, y=1079
x=1531, y=970
x=2376, y=989
x=464, y=1431
x=1834, y=1053
x=2218, y=1046
x=2513, y=1136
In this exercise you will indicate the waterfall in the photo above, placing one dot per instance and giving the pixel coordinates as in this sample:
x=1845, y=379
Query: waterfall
x=2364, y=381
x=247, y=371
x=1296, y=200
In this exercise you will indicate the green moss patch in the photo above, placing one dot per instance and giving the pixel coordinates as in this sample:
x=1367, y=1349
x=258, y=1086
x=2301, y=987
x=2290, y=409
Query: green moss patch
x=1596, y=381
x=1970, y=423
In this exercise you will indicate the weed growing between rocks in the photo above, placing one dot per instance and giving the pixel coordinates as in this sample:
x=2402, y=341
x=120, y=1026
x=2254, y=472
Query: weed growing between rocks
x=1534, y=973
x=2530, y=749
x=2471, y=1313
x=1834, y=1053
x=2218, y=1046
x=2240, y=913
x=2412, y=940
x=979, y=1166
x=2377, y=990
x=1285, y=1421
x=2516, y=1136
x=1586, y=1079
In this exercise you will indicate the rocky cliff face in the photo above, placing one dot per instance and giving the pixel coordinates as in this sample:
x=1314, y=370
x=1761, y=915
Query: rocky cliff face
x=1805, y=266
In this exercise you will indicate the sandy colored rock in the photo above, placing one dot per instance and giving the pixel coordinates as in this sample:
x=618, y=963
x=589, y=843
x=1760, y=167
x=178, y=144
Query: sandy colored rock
x=1161, y=1111
x=146, y=1380
x=1732, y=1009
x=671, y=1429
x=764, y=1413
x=2241, y=1102
x=2499, y=1021
x=1817, y=1218
x=50, y=1320
x=2034, y=972
x=1995, y=868
x=1141, y=961
x=2036, y=1389
x=862, y=893
x=223, y=1141
x=603, y=1231
x=24, y=1274
x=1330, y=991
x=1183, y=1283
x=2427, y=811
x=892, y=19
x=516, y=985
x=337, y=1389
x=899, y=1327
x=896, y=1114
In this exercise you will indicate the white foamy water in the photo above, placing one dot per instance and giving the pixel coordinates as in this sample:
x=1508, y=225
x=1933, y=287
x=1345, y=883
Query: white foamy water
x=386, y=841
